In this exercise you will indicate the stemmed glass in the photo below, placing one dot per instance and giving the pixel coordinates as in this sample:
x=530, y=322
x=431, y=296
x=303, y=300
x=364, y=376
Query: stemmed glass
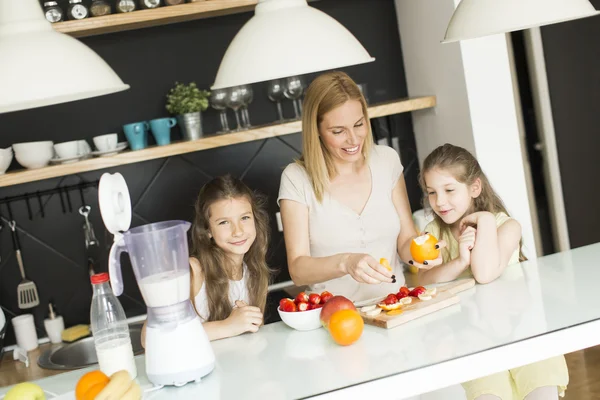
x=247, y=95
x=218, y=101
x=275, y=93
x=294, y=89
x=234, y=101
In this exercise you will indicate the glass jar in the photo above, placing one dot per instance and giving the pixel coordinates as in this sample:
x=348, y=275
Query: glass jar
x=100, y=8
x=124, y=6
x=147, y=4
x=53, y=12
x=77, y=10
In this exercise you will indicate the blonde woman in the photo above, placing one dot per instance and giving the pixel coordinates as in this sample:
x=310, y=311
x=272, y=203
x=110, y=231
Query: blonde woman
x=344, y=204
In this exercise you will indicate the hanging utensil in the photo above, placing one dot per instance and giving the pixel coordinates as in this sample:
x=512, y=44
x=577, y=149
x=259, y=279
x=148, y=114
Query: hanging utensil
x=92, y=246
x=26, y=291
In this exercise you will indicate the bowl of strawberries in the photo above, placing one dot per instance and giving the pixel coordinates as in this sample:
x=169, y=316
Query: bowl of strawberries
x=303, y=313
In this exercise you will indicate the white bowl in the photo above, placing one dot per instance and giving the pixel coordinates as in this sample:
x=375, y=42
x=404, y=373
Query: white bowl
x=6, y=156
x=302, y=320
x=67, y=149
x=106, y=142
x=34, y=154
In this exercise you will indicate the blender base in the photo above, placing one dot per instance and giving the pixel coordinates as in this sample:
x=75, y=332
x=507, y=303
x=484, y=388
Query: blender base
x=181, y=378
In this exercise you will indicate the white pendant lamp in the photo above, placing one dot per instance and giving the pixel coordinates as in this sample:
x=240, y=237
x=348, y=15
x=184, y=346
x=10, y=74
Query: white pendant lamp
x=40, y=67
x=477, y=18
x=286, y=38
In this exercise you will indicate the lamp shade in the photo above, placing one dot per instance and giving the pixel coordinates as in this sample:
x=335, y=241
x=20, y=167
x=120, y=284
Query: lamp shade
x=477, y=18
x=286, y=38
x=41, y=67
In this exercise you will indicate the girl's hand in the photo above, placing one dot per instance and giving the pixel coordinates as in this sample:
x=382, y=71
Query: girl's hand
x=428, y=264
x=244, y=318
x=365, y=269
x=466, y=242
x=473, y=219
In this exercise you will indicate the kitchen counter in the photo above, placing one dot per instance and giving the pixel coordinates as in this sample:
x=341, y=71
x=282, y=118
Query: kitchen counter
x=536, y=310
x=12, y=371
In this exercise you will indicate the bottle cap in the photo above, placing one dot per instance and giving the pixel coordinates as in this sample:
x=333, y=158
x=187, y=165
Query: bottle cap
x=99, y=278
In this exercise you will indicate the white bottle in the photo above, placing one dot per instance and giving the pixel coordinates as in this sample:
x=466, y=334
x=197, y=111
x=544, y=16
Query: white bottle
x=110, y=329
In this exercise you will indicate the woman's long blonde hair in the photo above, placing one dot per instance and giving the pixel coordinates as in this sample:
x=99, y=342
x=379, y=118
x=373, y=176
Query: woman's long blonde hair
x=466, y=169
x=213, y=259
x=327, y=92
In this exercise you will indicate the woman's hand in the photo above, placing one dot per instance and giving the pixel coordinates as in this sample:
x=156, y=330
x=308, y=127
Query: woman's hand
x=428, y=264
x=244, y=318
x=466, y=242
x=365, y=269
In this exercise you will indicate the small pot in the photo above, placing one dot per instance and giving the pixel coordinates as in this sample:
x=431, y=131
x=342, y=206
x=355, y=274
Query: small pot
x=191, y=125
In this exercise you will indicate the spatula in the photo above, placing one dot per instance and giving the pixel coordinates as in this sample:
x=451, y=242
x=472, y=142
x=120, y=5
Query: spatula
x=26, y=291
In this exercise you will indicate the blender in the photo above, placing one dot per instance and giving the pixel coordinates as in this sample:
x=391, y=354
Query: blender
x=177, y=347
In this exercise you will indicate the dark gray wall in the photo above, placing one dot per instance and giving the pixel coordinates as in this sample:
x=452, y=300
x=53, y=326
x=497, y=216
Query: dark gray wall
x=572, y=53
x=151, y=60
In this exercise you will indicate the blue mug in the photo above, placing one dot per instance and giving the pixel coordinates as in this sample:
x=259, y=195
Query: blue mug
x=137, y=135
x=161, y=129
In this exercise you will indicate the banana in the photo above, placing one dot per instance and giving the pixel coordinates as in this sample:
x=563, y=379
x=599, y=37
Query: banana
x=118, y=385
x=134, y=392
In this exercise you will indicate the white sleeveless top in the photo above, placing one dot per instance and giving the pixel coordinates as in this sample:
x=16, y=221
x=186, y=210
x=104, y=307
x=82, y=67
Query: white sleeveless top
x=238, y=290
x=335, y=228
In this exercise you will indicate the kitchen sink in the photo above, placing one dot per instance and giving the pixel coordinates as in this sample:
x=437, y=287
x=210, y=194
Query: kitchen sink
x=81, y=354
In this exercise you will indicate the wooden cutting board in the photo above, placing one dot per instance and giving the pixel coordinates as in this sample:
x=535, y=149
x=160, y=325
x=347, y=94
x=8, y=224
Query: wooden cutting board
x=445, y=297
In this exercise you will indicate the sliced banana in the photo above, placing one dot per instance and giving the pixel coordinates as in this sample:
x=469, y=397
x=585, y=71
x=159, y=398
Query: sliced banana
x=424, y=297
x=431, y=292
x=366, y=309
x=406, y=300
x=374, y=312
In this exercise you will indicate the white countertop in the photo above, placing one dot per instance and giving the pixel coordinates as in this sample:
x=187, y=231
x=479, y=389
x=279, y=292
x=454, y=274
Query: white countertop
x=536, y=310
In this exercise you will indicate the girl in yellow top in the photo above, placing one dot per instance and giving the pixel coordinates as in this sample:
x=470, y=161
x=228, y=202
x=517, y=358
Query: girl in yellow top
x=477, y=237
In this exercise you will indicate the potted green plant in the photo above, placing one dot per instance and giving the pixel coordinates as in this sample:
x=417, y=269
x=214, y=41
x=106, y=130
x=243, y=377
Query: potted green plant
x=187, y=102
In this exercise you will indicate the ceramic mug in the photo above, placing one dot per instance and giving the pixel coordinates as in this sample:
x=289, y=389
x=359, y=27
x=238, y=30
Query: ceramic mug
x=161, y=129
x=137, y=134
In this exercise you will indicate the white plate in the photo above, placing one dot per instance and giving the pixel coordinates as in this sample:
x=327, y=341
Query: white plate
x=120, y=147
x=67, y=160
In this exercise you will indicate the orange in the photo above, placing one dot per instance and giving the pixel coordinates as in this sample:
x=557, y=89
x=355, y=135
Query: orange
x=385, y=263
x=93, y=391
x=89, y=381
x=345, y=327
x=423, y=248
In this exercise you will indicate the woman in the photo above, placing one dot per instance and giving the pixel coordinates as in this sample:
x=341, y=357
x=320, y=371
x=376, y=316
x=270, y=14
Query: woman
x=344, y=203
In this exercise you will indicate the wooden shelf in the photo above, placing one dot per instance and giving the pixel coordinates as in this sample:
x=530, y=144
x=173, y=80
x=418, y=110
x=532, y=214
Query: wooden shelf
x=207, y=142
x=158, y=16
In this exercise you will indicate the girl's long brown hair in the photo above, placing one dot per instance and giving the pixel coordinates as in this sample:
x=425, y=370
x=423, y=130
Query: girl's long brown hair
x=213, y=260
x=466, y=169
x=326, y=92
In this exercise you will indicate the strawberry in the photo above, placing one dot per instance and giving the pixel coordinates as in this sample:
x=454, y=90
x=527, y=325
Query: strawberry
x=302, y=306
x=417, y=291
x=391, y=299
x=287, y=305
x=283, y=301
x=325, y=296
x=311, y=306
x=301, y=298
x=402, y=293
x=318, y=305
x=314, y=298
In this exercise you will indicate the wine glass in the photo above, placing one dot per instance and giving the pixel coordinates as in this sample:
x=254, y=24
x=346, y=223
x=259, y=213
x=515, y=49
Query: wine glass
x=247, y=96
x=294, y=88
x=234, y=101
x=275, y=93
x=218, y=101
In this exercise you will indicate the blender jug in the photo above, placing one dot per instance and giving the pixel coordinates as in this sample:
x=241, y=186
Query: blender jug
x=160, y=259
